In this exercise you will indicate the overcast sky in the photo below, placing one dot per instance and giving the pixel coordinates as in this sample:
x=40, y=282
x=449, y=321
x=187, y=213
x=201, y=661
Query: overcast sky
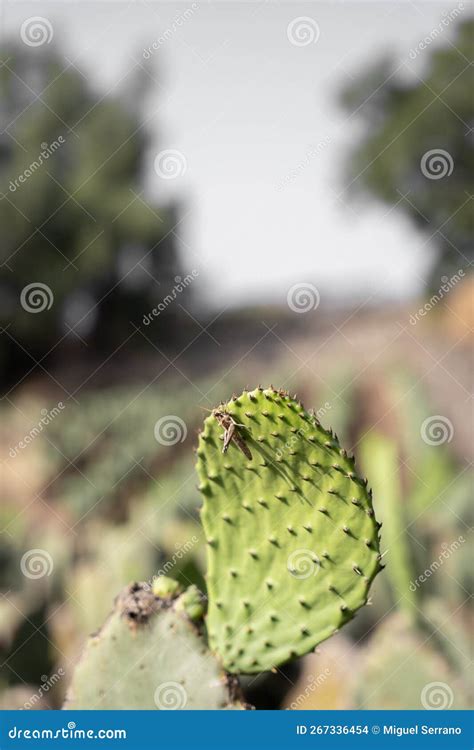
x=243, y=104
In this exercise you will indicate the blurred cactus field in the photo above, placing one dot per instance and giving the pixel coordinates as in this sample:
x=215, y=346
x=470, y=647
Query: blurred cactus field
x=104, y=500
x=165, y=356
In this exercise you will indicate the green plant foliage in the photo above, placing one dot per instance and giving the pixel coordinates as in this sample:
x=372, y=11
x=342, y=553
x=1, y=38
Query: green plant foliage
x=403, y=120
x=293, y=543
x=150, y=655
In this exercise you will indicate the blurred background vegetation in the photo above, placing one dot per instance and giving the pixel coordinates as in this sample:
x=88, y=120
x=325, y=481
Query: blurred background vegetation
x=110, y=504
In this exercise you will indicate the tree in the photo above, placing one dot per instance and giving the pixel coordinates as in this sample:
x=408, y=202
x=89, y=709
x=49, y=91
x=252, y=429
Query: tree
x=417, y=143
x=78, y=240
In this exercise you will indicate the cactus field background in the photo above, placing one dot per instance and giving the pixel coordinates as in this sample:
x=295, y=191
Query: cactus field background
x=105, y=503
x=236, y=329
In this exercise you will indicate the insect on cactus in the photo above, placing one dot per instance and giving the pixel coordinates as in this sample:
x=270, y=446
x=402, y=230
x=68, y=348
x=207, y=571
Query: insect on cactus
x=293, y=544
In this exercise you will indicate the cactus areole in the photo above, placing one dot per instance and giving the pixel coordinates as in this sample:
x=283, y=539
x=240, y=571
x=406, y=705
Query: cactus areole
x=292, y=540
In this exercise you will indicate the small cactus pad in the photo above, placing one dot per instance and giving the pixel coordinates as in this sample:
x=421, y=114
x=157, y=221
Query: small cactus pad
x=148, y=655
x=292, y=540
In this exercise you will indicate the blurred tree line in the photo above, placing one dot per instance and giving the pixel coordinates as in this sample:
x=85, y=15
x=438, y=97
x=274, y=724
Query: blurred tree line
x=77, y=236
x=406, y=120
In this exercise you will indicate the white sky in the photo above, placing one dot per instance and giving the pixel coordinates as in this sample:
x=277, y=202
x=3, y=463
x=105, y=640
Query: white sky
x=244, y=105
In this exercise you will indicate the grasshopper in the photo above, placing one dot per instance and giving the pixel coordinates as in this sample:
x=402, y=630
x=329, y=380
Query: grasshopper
x=231, y=432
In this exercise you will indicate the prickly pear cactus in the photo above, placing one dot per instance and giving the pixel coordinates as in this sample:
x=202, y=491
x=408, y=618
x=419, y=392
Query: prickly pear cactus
x=149, y=655
x=293, y=543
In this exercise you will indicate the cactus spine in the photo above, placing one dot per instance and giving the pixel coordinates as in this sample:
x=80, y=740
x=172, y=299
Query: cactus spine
x=293, y=544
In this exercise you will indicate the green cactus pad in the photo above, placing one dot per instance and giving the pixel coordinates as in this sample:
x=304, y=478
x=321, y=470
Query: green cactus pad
x=292, y=539
x=150, y=656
